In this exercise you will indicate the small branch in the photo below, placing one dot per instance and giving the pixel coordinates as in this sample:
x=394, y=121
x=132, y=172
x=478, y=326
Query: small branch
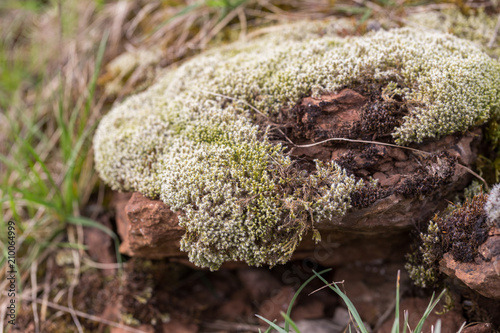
x=325, y=286
x=36, y=319
x=362, y=141
x=82, y=314
x=395, y=146
x=345, y=139
x=232, y=327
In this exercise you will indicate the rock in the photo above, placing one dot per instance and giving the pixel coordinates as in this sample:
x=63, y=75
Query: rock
x=178, y=326
x=235, y=308
x=258, y=283
x=342, y=318
x=483, y=274
x=371, y=287
x=451, y=321
x=479, y=328
x=377, y=229
x=100, y=245
x=319, y=326
x=195, y=139
x=271, y=309
x=149, y=229
x=313, y=309
x=118, y=203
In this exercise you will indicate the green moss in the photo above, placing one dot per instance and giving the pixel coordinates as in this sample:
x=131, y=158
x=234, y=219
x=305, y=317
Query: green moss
x=422, y=265
x=241, y=196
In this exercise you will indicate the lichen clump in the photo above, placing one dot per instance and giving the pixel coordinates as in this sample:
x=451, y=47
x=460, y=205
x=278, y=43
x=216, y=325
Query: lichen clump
x=192, y=139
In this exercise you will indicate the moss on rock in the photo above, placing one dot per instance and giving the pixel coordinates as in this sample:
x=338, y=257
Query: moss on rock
x=459, y=230
x=192, y=139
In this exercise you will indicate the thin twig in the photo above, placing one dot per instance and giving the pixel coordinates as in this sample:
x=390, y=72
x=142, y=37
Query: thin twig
x=395, y=146
x=83, y=315
x=340, y=139
x=46, y=288
x=74, y=281
x=104, y=266
x=325, y=286
x=36, y=318
x=361, y=141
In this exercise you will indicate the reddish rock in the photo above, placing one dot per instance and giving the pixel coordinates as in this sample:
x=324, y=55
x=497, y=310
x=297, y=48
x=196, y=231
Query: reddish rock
x=482, y=275
x=258, y=283
x=479, y=328
x=100, y=245
x=371, y=287
x=119, y=202
x=149, y=229
x=308, y=310
x=278, y=302
x=235, y=308
x=177, y=326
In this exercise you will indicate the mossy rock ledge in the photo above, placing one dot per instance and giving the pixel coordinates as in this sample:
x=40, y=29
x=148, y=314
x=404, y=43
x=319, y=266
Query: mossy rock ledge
x=228, y=147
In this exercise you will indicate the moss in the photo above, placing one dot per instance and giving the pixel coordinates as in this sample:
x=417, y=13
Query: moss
x=192, y=139
x=422, y=265
x=459, y=230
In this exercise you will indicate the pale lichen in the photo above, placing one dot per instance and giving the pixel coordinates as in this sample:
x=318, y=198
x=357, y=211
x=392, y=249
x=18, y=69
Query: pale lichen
x=192, y=141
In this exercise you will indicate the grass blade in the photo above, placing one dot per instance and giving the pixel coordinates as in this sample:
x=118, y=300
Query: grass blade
x=86, y=222
x=428, y=311
x=271, y=324
x=289, y=321
x=347, y=301
x=289, y=310
x=93, y=82
x=395, y=326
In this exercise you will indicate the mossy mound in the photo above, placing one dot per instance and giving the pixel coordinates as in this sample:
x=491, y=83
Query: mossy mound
x=192, y=139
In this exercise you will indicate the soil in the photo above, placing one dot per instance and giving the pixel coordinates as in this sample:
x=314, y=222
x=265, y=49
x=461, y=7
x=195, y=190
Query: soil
x=163, y=296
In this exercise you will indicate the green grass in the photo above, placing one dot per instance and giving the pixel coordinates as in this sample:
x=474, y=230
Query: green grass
x=47, y=171
x=31, y=184
x=354, y=314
